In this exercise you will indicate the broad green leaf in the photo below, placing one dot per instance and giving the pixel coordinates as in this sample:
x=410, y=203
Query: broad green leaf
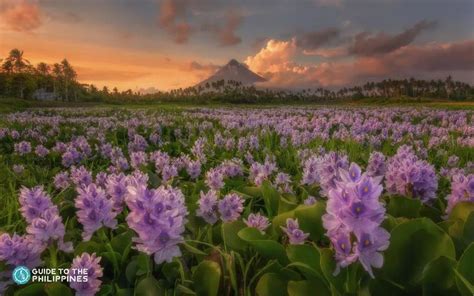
x=268, y=248
x=307, y=255
x=307, y=288
x=413, y=244
x=149, y=286
x=400, y=206
x=230, y=235
x=438, y=276
x=34, y=289
x=310, y=219
x=271, y=197
x=465, y=272
x=271, y=284
x=206, y=278
x=57, y=289
x=462, y=211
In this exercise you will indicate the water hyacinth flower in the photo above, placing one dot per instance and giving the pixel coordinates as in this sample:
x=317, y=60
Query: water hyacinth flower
x=41, y=151
x=208, y=206
x=81, y=176
x=137, y=159
x=22, y=148
x=116, y=188
x=407, y=175
x=33, y=202
x=158, y=217
x=311, y=200
x=169, y=172
x=295, y=235
x=193, y=168
x=48, y=228
x=61, y=180
x=94, y=210
x=283, y=183
x=18, y=169
x=353, y=218
x=376, y=166
x=230, y=207
x=462, y=190
x=215, y=178
x=257, y=221
x=91, y=263
x=18, y=250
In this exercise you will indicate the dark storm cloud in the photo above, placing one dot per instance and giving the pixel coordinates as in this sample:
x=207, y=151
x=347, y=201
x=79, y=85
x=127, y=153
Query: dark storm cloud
x=367, y=45
x=316, y=39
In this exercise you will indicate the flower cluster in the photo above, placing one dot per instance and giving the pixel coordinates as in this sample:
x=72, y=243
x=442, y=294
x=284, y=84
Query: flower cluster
x=230, y=207
x=158, y=217
x=408, y=175
x=94, y=210
x=257, y=221
x=208, y=206
x=295, y=235
x=353, y=217
x=462, y=190
x=94, y=272
x=18, y=250
x=44, y=223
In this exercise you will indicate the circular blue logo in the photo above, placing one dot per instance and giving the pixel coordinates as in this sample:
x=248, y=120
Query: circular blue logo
x=21, y=275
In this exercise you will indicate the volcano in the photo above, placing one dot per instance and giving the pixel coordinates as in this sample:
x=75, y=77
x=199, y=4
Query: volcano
x=235, y=71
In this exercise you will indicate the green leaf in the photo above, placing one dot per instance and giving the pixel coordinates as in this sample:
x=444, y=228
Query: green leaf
x=271, y=197
x=149, y=286
x=268, y=248
x=122, y=242
x=307, y=255
x=306, y=288
x=206, y=278
x=310, y=219
x=465, y=272
x=230, y=235
x=468, y=233
x=328, y=267
x=57, y=289
x=251, y=191
x=438, y=276
x=31, y=290
x=413, y=244
x=400, y=206
x=88, y=247
x=462, y=211
x=193, y=250
x=271, y=284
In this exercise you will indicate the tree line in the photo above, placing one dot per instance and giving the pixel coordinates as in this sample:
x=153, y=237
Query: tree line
x=20, y=79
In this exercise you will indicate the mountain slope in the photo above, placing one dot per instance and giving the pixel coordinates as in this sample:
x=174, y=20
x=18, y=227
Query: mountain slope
x=235, y=71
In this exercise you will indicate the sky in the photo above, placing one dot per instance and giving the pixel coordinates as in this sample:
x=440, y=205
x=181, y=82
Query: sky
x=151, y=45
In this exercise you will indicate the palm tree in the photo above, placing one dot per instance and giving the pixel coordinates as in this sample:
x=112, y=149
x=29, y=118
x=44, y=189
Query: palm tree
x=69, y=76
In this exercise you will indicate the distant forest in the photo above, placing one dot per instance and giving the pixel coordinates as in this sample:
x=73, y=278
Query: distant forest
x=20, y=79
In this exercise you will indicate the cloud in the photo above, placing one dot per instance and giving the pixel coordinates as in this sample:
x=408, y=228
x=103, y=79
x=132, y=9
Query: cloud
x=94, y=74
x=224, y=32
x=276, y=61
x=332, y=3
x=316, y=39
x=170, y=18
x=21, y=15
x=367, y=45
x=329, y=53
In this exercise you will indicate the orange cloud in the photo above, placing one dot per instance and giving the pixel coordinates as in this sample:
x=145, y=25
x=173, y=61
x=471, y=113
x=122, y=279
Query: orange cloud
x=21, y=15
x=276, y=61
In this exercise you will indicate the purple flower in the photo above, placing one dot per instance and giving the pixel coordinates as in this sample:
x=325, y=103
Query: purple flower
x=158, y=217
x=94, y=272
x=462, y=190
x=353, y=217
x=23, y=147
x=81, y=176
x=169, y=172
x=61, y=180
x=193, y=168
x=116, y=188
x=311, y=200
x=18, y=169
x=34, y=202
x=137, y=159
x=376, y=166
x=20, y=250
x=208, y=206
x=215, y=179
x=94, y=210
x=101, y=179
x=257, y=221
x=41, y=151
x=295, y=235
x=230, y=207
x=48, y=228
x=409, y=176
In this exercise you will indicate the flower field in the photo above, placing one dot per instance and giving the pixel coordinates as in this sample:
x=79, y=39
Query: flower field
x=235, y=201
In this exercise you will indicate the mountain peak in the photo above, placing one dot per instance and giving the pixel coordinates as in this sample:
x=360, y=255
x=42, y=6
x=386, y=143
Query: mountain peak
x=233, y=62
x=235, y=71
